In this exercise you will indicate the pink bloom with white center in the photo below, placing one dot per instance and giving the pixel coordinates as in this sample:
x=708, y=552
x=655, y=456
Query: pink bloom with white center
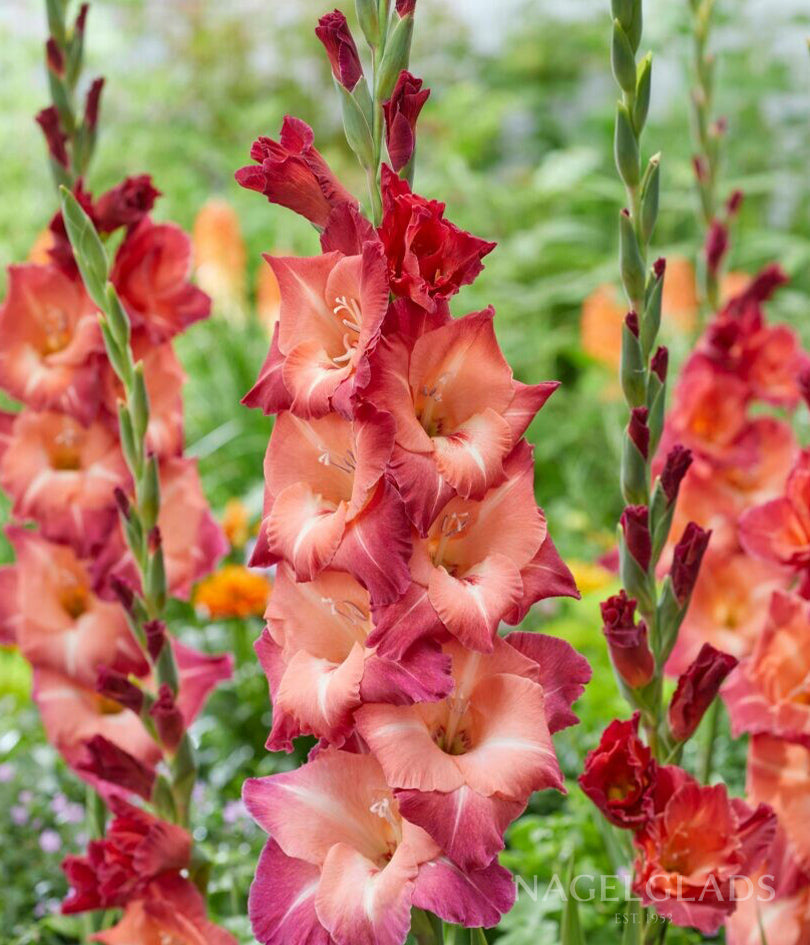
x=319, y=666
x=332, y=307
x=343, y=867
x=328, y=504
x=61, y=624
x=50, y=342
x=458, y=409
x=481, y=562
x=62, y=475
x=464, y=768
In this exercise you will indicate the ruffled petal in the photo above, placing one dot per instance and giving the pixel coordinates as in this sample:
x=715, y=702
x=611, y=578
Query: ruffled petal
x=473, y=899
x=470, y=459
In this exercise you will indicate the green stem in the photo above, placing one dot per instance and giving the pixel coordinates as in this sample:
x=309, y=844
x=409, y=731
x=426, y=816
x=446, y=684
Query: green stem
x=707, y=756
x=426, y=928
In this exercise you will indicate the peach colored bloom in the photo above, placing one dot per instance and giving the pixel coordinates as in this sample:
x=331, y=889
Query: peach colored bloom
x=220, y=257
x=481, y=562
x=679, y=302
x=50, y=342
x=171, y=912
x=728, y=606
x=458, y=409
x=464, y=767
x=320, y=669
x=779, y=530
x=236, y=523
x=332, y=307
x=770, y=691
x=692, y=851
x=150, y=272
x=192, y=541
x=778, y=774
x=233, y=591
x=61, y=624
x=328, y=504
x=62, y=475
x=164, y=378
x=343, y=866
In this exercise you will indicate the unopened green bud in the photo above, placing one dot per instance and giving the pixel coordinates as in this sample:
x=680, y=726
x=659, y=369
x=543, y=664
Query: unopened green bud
x=117, y=316
x=641, y=106
x=622, y=59
x=630, y=260
x=356, y=125
x=149, y=494
x=139, y=403
x=87, y=248
x=650, y=187
x=626, y=147
x=369, y=20
x=396, y=56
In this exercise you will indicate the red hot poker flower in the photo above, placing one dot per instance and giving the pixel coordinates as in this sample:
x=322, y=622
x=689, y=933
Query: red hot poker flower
x=429, y=258
x=333, y=31
x=696, y=690
x=135, y=848
x=401, y=112
x=291, y=173
x=620, y=775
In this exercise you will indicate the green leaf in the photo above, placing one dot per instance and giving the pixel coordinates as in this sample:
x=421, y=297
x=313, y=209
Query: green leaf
x=395, y=58
x=634, y=926
x=87, y=248
x=570, y=928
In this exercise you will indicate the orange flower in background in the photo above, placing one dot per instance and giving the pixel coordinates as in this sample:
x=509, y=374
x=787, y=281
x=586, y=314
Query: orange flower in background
x=601, y=326
x=236, y=523
x=40, y=252
x=220, y=258
x=268, y=298
x=233, y=591
x=679, y=302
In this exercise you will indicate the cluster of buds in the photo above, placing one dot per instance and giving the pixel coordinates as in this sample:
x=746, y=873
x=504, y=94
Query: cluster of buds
x=94, y=459
x=400, y=513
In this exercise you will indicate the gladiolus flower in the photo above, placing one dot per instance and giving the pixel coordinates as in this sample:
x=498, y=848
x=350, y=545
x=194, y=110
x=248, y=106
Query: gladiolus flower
x=401, y=112
x=126, y=204
x=481, y=562
x=697, y=689
x=635, y=526
x=61, y=624
x=342, y=862
x=316, y=642
x=458, y=409
x=429, y=258
x=150, y=273
x=690, y=854
x=464, y=768
x=328, y=504
x=620, y=775
x=769, y=692
x=135, y=849
x=779, y=531
x=293, y=174
x=50, y=342
x=62, y=474
x=233, y=591
x=629, y=650
x=686, y=558
x=332, y=308
x=333, y=31
x=112, y=765
x=171, y=910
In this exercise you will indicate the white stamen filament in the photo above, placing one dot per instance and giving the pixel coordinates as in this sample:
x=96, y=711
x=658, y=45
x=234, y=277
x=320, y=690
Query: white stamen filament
x=451, y=526
x=382, y=808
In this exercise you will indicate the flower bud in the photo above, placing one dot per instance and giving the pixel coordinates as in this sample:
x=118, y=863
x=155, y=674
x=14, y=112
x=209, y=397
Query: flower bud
x=631, y=263
x=333, y=31
x=168, y=718
x=804, y=385
x=126, y=204
x=676, y=465
x=734, y=203
x=401, y=112
x=406, y=7
x=92, y=104
x=105, y=760
x=622, y=59
x=55, y=58
x=122, y=501
x=629, y=649
x=155, y=631
x=638, y=431
x=716, y=246
x=641, y=105
x=123, y=593
x=625, y=146
x=55, y=138
x=686, y=560
x=660, y=363
x=81, y=19
x=633, y=375
x=635, y=525
x=697, y=689
x=116, y=686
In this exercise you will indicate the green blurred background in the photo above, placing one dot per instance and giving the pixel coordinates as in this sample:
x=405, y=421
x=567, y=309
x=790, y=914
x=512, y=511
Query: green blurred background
x=516, y=138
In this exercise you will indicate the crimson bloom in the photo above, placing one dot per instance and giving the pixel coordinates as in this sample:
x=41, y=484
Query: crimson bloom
x=136, y=848
x=620, y=775
x=333, y=31
x=429, y=258
x=401, y=112
x=292, y=173
x=343, y=866
x=50, y=342
x=697, y=689
x=627, y=640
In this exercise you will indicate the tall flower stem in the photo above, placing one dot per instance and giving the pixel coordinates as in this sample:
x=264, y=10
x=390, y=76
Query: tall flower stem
x=140, y=513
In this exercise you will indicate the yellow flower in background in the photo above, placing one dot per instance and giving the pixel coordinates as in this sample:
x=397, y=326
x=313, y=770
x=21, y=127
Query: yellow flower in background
x=589, y=576
x=220, y=258
x=236, y=523
x=233, y=591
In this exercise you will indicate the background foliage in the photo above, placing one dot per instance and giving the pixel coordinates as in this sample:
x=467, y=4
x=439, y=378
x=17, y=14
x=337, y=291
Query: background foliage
x=516, y=138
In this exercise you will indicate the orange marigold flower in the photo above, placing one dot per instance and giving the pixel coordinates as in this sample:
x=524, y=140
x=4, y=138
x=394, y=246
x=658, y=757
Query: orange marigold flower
x=233, y=591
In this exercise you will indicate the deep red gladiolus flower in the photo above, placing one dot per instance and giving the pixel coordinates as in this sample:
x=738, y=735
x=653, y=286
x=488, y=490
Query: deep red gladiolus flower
x=429, y=258
x=686, y=560
x=135, y=849
x=401, y=112
x=635, y=525
x=126, y=204
x=696, y=690
x=627, y=640
x=292, y=173
x=620, y=774
x=333, y=31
